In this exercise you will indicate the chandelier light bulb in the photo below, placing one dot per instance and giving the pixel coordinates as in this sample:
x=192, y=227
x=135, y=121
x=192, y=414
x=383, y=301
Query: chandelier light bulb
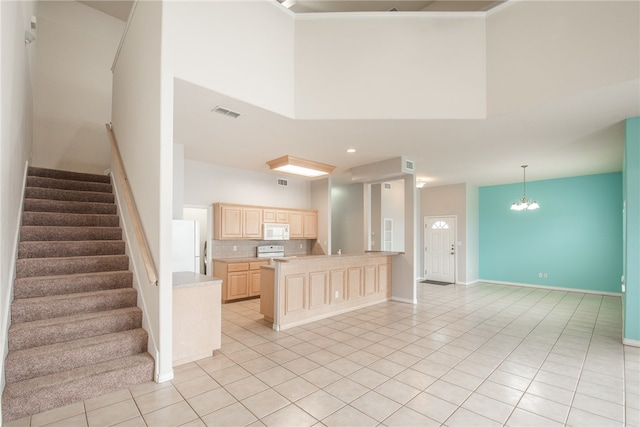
x=524, y=204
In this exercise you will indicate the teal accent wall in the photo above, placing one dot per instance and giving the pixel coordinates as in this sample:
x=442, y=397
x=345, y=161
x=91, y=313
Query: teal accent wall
x=575, y=237
x=631, y=189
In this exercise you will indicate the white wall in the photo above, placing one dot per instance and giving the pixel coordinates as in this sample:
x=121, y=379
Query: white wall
x=142, y=100
x=15, y=133
x=538, y=50
x=393, y=207
x=347, y=218
x=321, y=201
x=72, y=87
x=205, y=184
x=243, y=49
x=390, y=65
x=178, y=181
x=473, y=234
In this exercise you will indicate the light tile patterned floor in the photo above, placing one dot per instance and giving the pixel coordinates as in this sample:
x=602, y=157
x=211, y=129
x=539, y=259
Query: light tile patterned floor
x=479, y=355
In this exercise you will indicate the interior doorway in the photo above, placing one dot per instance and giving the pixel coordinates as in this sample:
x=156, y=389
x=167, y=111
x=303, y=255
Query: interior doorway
x=440, y=248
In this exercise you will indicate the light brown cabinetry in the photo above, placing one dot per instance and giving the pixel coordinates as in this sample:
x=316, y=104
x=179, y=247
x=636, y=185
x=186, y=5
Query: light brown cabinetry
x=275, y=216
x=307, y=289
x=239, y=279
x=303, y=224
x=237, y=222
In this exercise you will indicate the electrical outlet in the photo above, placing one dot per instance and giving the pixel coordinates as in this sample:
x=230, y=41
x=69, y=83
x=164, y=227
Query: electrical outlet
x=300, y=245
x=545, y=275
x=540, y=275
x=235, y=248
x=337, y=294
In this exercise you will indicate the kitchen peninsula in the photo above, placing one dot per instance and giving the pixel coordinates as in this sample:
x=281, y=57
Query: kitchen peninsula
x=299, y=290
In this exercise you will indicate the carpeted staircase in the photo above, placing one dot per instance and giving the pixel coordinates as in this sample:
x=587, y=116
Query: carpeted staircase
x=75, y=328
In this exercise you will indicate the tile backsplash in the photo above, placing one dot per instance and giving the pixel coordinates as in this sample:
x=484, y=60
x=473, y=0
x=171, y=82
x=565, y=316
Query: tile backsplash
x=247, y=248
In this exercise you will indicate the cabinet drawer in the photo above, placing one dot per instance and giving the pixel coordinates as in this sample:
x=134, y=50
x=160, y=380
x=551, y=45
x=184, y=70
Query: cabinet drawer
x=256, y=265
x=238, y=266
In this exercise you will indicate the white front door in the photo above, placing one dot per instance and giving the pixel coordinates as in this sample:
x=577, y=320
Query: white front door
x=439, y=248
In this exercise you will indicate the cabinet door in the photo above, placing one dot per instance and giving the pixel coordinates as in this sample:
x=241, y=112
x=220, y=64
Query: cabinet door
x=251, y=221
x=254, y=277
x=237, y=285
x=310, y=230
x=296, y=224
x=282, y=217
x=254, y=283
x=275, y=216
x=230, y=222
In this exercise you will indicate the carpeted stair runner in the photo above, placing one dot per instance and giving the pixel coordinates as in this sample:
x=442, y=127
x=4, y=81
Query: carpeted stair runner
x=75, y=328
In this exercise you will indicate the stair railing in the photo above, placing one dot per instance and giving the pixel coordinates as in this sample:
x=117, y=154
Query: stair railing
x=145, y=253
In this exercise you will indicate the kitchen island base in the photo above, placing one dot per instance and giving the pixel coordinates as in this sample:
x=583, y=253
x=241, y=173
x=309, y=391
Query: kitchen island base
x=301, y=290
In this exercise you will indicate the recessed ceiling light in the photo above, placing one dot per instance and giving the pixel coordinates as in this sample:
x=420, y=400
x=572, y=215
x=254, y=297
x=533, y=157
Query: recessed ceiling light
x=351, y=150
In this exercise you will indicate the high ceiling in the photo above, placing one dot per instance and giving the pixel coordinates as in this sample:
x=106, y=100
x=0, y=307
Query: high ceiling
x=120, y=8
x=320, y=6
x=572, y=135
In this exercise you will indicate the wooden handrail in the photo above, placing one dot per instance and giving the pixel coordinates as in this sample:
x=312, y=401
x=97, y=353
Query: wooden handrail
x=133, y=210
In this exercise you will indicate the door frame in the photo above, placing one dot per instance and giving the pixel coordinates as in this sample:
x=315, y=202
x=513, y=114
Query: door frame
x=454, y=219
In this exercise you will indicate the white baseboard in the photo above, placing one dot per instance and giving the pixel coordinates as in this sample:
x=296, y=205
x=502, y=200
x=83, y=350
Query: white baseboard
x=552, y=288
x=630, y=342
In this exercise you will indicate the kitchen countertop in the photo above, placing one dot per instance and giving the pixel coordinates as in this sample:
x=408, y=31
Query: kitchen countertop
x=183, y=279
x=250, y=259
x=294, y=258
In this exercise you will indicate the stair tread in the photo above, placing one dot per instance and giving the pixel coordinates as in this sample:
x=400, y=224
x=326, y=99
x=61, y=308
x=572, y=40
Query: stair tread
x=35, y=171
x=50, y=349
x=69, y=219
x=68, y=184
x=68, y=319
x=27, y=386
x=63, y=206
x=50, y=298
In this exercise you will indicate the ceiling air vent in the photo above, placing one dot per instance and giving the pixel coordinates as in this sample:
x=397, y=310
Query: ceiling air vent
x=226, y=112
x=283, y=182
x=408, y=165
x=387, y=186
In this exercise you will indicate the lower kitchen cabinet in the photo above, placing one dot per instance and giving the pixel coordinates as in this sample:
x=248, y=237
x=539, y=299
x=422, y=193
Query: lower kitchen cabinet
x=240, y=279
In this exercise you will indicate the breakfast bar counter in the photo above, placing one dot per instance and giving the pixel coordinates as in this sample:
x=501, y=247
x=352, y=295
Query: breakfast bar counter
x=302, y=289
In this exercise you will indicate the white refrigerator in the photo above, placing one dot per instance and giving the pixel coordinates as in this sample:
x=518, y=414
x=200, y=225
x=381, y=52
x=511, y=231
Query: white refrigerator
x=186, y=245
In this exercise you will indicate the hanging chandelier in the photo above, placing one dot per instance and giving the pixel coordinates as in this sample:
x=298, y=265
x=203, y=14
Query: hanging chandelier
x=524, y=204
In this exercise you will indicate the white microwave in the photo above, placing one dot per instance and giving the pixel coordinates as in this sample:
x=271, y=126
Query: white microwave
x=275, y=232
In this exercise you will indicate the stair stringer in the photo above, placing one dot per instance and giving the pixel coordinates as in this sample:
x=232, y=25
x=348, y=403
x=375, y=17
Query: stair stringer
x=148, y=294
x=6, y=300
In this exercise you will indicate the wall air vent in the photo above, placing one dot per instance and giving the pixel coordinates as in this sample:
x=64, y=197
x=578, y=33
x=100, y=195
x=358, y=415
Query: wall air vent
x=283, y=182
x=408, y=165
x=387, y=186
x=226, y=112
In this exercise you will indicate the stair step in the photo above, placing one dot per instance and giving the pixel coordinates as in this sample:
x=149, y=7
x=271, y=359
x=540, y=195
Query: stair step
x=67, y=184
x=44, y=205
x=29, y=233
x=39, y=308
x=41, y=394
x=62, y=329
x=75, y=176
x=70, y=219
x=29, y=267
x=69, y=195
x=21, y=365
x=70, y=249
x=42, y=286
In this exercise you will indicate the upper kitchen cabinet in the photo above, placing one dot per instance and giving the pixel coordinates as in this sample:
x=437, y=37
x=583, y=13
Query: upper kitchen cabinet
x=275, y=216
x=234, y=222
x=303, y=224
